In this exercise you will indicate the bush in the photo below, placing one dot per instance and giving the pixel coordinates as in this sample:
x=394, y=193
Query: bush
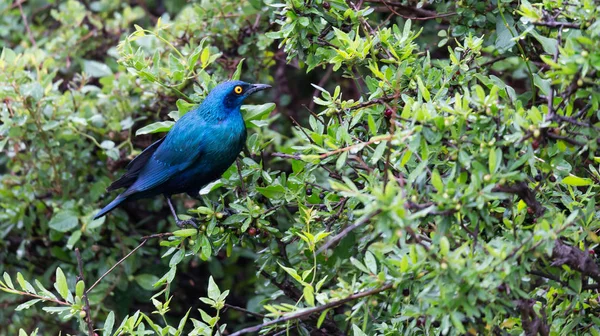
x=428, y=168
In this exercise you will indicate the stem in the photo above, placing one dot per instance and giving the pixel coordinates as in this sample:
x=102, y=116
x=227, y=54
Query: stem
x=144, y=240
x=308, y=312
x=86, y=308
x=522, y=54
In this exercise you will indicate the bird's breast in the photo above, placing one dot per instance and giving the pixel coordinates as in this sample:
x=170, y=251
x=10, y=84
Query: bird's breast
x=226, y=140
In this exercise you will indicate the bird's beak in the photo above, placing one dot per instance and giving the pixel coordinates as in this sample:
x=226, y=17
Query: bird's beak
x=258, y=87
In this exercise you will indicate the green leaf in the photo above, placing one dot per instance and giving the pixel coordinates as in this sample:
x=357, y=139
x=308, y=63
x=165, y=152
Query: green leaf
x=27, y=305
x=8, y=281
x=177, y=257
x=576, y=181
x=292, y=272
x=79, y=288
x=370, y=262
x=157, y=127
x=436, y=181
x=204, y=57
x=61, y=284
x=108, y=324
x=206, y=250
x=25, y=285
x=63, y=221
x=356, y=331
x=322, y=318
x=423, y=89
x=256, y=112
x=444, y=246
x=238, y=70
x=185, y=232
x=213, y=289
x=309, y=295
x=146, y=281
x=96, y=69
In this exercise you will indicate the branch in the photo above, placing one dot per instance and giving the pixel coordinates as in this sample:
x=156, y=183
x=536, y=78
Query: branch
x=565, y=139
x=339, y=150
x=246, y=311
x=144, y=240
x=347, y=230
x=286, y=286
x=307, y=312
x=25, y=23
x=527, y=195
x=531, y=322
x=43, y=298
x=576, y=259
x=556, y=24
x=86, y=307
x=419, y=11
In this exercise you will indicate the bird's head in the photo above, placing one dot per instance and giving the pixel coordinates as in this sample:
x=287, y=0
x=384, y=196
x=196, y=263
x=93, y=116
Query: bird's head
x=232, y=94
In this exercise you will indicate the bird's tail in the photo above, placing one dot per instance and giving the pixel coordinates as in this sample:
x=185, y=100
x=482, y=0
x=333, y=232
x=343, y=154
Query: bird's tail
x=111, y=206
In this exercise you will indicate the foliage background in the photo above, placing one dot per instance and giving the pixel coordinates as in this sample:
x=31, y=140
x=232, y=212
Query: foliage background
x=443, y=163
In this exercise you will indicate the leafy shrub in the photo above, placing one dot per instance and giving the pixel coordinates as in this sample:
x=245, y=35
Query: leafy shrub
x=439, y=176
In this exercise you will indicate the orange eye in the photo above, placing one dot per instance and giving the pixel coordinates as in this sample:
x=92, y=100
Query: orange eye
x=238, y=89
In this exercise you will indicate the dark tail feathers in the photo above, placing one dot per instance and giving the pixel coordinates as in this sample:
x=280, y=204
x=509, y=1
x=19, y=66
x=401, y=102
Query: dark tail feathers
x=111, y=206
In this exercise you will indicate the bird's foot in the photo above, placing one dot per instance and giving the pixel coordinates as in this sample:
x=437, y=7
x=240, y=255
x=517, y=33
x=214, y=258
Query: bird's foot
x=187, y=222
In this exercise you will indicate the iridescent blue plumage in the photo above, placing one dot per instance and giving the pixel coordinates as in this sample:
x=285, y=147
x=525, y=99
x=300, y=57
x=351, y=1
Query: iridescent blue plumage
x=197, y=150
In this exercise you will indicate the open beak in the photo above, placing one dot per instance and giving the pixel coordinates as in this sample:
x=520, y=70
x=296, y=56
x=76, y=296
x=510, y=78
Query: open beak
x=258, y=87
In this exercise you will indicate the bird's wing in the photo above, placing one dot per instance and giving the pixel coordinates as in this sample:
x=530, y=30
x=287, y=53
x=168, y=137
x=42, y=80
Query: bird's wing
x=180, y=148
x=134, y=167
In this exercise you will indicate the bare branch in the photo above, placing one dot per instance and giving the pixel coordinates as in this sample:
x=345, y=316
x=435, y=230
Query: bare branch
x=307, y=312
x=347, y=230
x=144, y=240
x=86, y=307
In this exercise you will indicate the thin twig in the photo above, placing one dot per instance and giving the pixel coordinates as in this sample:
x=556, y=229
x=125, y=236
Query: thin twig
x=244, y=310
x=86, y=307
x=19, y=4
x=144, y=240
x=556, y=24
x=347, y=230
x=307, y=312
x=43, y=298
x=239, y=169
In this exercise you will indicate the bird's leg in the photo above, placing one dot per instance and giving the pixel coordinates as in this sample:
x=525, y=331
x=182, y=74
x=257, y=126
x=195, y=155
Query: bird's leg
x=180, y=223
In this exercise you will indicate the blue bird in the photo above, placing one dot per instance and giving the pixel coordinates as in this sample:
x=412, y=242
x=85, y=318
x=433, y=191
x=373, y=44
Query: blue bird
x=196, y=151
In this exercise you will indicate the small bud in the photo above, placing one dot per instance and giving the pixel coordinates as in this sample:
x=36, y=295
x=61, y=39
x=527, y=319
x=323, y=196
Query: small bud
x=406, y=292
x=388, y=113
x=538, y=177
x=308, y=191
x=552, y=178
x=322, y=195
x=535, y=144
x=487, y=177
x=326, y=5
x=530, y=210
x=82, y=314
x=252, y=231
x=219, y=215
x=536, y=133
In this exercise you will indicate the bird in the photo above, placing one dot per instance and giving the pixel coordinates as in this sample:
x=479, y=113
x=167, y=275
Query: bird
x=197, y=150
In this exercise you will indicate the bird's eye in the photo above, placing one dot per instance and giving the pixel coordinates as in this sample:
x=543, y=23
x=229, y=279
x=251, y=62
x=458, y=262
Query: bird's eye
x=238, y=89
